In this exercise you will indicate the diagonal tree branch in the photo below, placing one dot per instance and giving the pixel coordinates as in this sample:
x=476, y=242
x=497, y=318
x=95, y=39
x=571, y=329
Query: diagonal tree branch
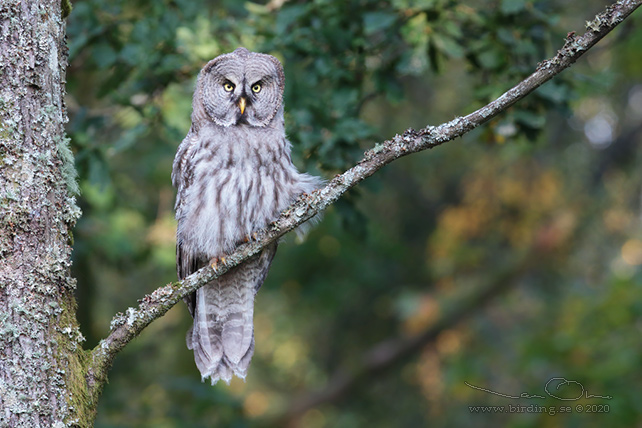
x=124, y=327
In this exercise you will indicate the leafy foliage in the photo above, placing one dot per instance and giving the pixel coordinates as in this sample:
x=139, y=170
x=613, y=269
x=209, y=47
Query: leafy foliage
x=546, y=195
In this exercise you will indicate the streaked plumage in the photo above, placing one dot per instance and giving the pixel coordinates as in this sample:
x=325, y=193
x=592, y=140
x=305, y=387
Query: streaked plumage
x=234, y=175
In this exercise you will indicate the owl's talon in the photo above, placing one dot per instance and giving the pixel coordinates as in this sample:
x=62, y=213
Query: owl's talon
x=254, y=236
x=215, y=261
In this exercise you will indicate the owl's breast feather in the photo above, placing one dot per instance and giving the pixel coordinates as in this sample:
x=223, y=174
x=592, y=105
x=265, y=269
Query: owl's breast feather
x=241, y=183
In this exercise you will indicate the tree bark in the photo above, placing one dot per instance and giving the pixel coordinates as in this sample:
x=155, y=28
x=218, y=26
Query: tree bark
x=41, y=359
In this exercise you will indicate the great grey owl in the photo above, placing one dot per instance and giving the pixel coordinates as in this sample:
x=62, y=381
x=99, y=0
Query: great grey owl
x=234, y=175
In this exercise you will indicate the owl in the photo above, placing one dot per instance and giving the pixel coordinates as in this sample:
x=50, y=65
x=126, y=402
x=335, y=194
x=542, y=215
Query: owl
x=233, y=174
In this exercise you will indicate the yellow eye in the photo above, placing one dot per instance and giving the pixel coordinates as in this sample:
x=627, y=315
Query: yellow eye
x=228, y=86
x=256, y=88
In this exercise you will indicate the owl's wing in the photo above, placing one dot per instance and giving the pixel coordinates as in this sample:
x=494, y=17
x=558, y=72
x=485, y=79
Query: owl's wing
x=182, y=178
x=187, y=264
x=183, y=167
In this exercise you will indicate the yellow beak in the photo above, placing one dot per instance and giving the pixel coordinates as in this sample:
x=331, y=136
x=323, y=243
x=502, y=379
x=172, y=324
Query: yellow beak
x=242, y=105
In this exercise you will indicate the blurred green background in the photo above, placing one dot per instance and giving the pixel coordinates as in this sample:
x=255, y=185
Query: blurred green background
x=500, y=260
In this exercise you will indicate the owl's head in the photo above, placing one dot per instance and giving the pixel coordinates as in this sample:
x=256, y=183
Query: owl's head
x=240, y=88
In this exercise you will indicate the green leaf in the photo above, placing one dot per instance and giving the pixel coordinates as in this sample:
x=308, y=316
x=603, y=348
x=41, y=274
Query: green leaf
x=377, y=21
x=510, y=7
x=288, y=16
x=449, y=46
x=492, y=59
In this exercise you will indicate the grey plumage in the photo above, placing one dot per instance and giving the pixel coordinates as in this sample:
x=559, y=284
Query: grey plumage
x=234, y=175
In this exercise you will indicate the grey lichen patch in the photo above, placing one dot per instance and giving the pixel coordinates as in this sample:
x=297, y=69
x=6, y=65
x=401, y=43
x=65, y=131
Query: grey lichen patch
x=118, y=320
x=132, y=316
x=378, y=148
x=67, y=169
x=13, y=215
x=10, y=118
x=594, y=25
x=71, y=212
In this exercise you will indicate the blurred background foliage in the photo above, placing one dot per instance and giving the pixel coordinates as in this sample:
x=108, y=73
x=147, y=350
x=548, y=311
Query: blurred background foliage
x=531, y=224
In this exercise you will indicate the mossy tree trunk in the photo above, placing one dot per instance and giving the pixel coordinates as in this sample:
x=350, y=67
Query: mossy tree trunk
x=41, y=359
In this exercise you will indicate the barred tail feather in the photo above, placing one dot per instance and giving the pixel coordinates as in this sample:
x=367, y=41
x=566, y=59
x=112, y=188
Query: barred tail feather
x=222, y=336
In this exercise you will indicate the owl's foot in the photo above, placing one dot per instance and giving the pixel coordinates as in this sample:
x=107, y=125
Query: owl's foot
x=215, y=261
x=252, y=237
